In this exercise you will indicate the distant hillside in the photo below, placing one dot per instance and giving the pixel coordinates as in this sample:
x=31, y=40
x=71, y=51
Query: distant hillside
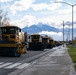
x=39, y=28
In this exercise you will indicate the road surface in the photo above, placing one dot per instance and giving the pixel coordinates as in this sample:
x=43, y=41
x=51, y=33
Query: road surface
x=10, y=64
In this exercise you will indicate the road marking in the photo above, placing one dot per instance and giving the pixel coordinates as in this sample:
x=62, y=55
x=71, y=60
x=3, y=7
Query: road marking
x=3, y=65
x=23, y=65
x=13, y=65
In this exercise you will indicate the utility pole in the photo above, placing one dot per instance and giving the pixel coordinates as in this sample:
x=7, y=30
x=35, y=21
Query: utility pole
x=63, y=33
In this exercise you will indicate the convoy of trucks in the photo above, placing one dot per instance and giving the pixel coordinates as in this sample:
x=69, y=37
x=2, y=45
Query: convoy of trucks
x=14, y=42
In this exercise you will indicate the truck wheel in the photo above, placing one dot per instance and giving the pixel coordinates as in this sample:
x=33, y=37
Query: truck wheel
x=15, y=53
x=42, y=47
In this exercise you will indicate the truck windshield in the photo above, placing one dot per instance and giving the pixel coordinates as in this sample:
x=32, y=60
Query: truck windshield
x=8, y=30
x=35, y=36
x=45, y=40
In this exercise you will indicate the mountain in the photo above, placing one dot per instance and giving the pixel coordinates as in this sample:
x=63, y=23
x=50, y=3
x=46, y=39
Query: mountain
x=39, y=28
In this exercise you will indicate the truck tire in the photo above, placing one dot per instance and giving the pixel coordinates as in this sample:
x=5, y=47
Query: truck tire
x=15, y=53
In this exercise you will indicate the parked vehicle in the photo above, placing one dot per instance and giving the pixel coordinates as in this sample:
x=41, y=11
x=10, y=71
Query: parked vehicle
x=12, y=41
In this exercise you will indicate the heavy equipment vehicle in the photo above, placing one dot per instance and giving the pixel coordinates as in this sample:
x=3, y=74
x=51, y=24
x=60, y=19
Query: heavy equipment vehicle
x=36, y=42
x=58, y=43
x=52, y=42
x=48, y=41
x=12, y=41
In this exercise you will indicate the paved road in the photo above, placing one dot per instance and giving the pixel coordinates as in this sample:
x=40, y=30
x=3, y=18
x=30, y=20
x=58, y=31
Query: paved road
x=10, y=64
x=57, y=62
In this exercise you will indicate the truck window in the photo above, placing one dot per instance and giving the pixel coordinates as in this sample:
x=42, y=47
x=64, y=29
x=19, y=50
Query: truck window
x=9, y=30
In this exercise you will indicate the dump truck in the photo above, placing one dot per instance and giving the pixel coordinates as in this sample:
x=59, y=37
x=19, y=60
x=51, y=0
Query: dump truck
x=12, y=41
x=35, y=42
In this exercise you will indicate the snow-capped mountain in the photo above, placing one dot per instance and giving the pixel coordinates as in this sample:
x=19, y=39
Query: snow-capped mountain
x=39, y=28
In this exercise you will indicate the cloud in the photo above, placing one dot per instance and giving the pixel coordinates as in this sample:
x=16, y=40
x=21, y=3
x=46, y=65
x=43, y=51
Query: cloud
x=27, y=4
x=21, y=5
x=51, y=33
x=25, y=21
x=55, y=35
x=40, y=6
x=5, y=0
x=64, y=11
x=60, y=0
x=54, y=18
x=51, y=20
x=53, y=6
x=29, y=20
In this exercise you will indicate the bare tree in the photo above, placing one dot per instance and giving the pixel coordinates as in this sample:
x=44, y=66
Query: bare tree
x=4, y=20
x=1, y=15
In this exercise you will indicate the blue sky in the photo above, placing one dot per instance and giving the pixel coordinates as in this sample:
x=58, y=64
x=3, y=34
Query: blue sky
x=27, y=12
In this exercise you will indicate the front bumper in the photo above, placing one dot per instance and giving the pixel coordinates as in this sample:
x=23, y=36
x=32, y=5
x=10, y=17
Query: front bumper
x=8, y=45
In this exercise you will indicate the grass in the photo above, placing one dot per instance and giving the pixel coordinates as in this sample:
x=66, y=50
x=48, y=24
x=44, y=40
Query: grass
x=72, y=53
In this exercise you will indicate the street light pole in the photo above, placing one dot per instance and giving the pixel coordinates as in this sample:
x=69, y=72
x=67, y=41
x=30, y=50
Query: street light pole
x=72, y=26
x=72, y=17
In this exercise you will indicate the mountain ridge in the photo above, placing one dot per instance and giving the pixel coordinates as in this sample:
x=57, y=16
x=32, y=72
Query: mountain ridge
x=37, y=28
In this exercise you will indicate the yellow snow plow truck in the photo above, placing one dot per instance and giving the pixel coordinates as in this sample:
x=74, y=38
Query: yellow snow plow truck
x=12, y=41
